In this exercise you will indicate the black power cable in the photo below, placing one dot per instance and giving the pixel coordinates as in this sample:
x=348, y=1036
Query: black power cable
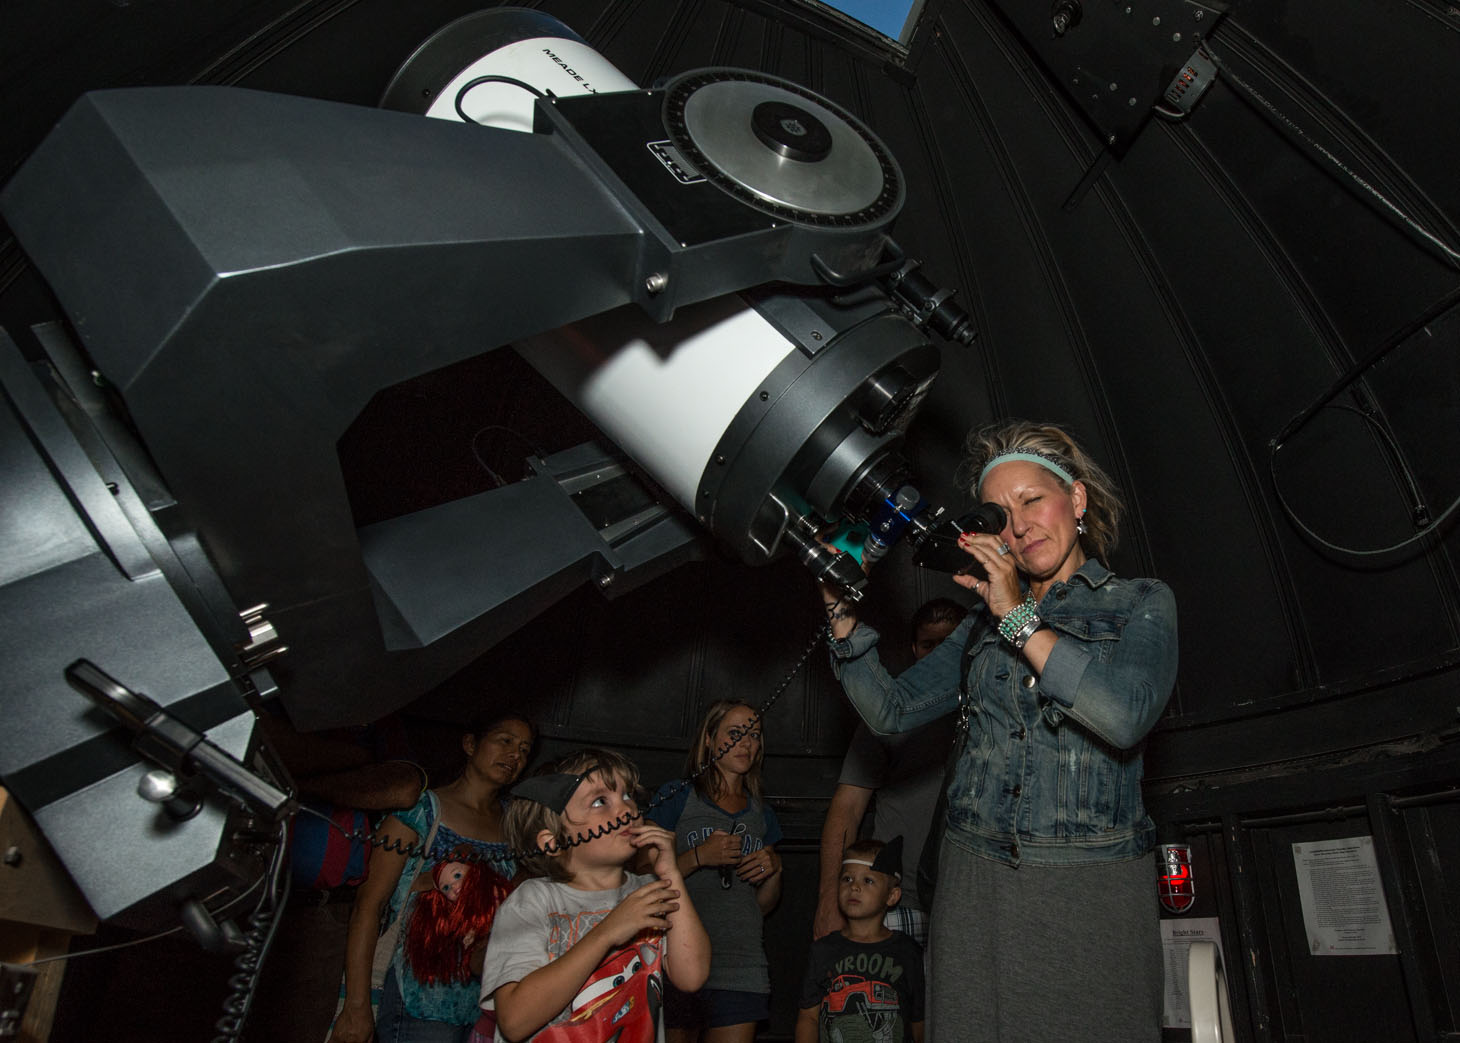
x=1419, y=512
x=461, y=94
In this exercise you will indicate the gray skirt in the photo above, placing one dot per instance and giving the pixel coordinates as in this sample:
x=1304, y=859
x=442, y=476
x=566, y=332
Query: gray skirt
x=1041, y=954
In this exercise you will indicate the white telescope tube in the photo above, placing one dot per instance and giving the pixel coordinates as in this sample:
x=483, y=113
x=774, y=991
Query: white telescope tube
x=664, y=393
x=551, y=64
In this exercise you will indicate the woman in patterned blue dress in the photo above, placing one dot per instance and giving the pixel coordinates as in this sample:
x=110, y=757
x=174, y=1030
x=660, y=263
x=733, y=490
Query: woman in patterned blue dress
x=461, y=825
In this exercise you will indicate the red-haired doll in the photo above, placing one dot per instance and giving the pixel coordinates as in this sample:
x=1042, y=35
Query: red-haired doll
x=451, y=919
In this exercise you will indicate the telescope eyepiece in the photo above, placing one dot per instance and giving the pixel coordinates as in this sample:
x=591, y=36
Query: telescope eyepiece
x=986, y=517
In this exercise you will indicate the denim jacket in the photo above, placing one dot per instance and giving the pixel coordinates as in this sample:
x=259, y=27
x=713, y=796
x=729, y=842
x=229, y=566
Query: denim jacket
x=1050, y=772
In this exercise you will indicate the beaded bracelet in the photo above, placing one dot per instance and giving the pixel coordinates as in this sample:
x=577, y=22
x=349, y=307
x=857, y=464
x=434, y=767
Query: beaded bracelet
x=1017, y=619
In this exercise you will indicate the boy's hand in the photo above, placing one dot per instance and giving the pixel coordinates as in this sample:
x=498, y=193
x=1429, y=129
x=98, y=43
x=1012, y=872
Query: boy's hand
x=660, y=844
x=648, y=908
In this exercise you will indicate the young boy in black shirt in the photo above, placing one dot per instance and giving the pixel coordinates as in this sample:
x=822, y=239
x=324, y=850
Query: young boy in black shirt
x=864, y=982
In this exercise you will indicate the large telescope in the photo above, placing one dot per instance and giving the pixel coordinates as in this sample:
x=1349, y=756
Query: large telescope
x=765, y=415
x=702, y=267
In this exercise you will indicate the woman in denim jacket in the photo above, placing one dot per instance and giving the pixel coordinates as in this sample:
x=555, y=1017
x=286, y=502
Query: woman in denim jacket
x=1045, y=918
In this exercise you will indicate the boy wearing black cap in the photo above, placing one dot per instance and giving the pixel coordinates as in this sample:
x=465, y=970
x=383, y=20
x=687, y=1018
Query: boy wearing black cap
x=864, y=982
x=580, y=951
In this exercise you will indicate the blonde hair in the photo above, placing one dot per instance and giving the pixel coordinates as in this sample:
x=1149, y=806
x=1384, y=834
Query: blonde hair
x=698, y=765
x=525, y=818
x=1103, y=506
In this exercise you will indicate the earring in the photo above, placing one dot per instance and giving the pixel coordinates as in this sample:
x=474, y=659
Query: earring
x=1080, y=524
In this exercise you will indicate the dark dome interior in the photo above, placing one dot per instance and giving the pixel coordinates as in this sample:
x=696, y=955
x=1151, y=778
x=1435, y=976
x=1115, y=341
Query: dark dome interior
x=1250, y=313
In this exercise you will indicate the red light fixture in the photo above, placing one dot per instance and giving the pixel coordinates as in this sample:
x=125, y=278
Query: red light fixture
x=1174, y=884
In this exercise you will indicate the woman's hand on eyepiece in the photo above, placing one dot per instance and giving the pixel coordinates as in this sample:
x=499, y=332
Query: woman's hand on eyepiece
x=1001, y=589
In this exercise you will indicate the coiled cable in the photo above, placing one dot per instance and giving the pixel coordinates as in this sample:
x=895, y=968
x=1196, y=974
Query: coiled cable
x=263, y=925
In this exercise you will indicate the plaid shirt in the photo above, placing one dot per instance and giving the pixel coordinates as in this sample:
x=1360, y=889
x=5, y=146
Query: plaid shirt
x=912, y=922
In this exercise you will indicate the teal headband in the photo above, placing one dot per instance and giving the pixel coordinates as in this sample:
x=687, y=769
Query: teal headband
x=1033, y=458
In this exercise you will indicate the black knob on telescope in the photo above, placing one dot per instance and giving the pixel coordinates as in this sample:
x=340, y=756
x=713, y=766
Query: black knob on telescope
x=790, y=131
x=1065, y=16
x=986, y=517
x=160, y=786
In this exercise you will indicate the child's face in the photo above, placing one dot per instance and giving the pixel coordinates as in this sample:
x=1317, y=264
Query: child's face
x=598, y=805
x=862, y=893
x=929, y=636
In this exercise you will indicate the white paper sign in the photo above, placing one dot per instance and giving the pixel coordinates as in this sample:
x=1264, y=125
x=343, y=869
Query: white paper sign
x=1176, y=939
x=1344, y=911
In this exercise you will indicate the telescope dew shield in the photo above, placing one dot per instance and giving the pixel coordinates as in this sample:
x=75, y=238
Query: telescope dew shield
x=665, y=393
x=486, y=66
